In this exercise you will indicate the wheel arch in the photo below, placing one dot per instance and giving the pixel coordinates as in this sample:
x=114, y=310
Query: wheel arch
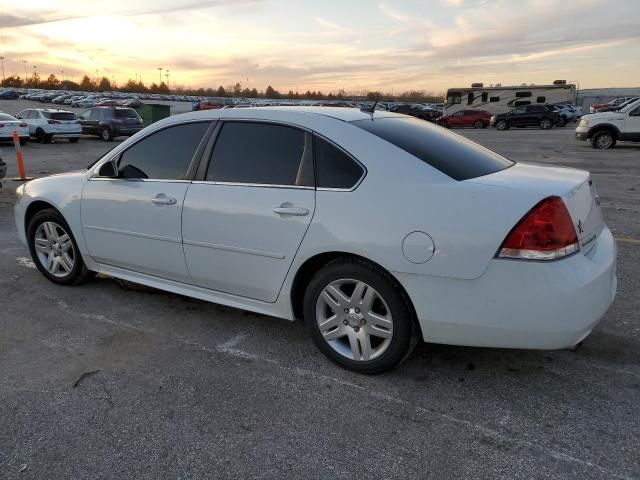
x=35, y=207
x=603, y=126
x=312, y=265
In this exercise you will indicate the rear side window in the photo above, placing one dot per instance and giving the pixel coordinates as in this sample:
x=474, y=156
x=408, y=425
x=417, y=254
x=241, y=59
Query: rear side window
x=164, y=155
x=125, y=113
x=259, y=153
x=5, y=117
x=334, y=168
x=59, y=115
x=453, y=155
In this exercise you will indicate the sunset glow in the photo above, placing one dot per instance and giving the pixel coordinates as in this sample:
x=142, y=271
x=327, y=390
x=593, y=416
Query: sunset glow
x=298, y=45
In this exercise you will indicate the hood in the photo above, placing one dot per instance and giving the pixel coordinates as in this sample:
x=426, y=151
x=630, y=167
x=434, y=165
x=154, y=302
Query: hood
x=606, y=116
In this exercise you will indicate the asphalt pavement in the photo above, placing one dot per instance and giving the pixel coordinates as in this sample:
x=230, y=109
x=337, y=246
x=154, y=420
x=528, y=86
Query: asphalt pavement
x=110, y=380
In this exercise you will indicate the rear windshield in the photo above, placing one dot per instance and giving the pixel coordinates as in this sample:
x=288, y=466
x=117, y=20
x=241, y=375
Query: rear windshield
x=59, y=115
x=452, y=154
x=125, y=113
x=4, y=116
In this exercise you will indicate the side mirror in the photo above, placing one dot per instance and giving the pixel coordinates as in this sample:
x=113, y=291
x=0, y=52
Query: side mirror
x=108, y=170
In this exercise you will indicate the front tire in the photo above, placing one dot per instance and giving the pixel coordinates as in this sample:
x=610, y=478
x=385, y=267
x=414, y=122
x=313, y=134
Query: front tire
x=502, y=125
x=54, y=249
x=478, y=124
x=359, y=317
x=603, y=140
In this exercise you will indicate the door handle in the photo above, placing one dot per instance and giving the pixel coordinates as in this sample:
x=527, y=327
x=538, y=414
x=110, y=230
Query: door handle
x=162, y=199
x=289, y=209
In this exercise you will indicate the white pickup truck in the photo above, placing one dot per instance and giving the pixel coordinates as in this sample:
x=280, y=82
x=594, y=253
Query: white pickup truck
x=606, y=128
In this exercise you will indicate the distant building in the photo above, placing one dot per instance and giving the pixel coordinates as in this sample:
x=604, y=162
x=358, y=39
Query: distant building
x=589, y=96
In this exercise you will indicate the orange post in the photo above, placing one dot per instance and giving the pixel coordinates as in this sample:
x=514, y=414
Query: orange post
x=16, y=144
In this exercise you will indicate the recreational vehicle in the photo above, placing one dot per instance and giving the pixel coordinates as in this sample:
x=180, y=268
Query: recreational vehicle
x=499, y=99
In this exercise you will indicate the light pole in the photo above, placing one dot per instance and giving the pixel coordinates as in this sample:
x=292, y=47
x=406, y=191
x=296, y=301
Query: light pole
x=2, y=63
x=24, y=62
x=160, y=70
x=166, y=75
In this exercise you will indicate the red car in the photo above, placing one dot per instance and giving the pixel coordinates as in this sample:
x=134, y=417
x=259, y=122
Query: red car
x=613, y=103
x=466, y=118
x=215, y=103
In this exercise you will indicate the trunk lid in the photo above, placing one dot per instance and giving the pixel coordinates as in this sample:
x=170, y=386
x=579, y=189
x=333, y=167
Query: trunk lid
x=575, y=187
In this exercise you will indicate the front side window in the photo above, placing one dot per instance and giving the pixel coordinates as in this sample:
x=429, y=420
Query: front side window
x=95, y=114
x=163, y=155
x=452, y=154
x=259, y=153
x=522, y=102
x=334, y=168
x=518, y=111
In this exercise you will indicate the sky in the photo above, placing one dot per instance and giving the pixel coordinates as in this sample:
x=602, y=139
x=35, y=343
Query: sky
x=328, y=45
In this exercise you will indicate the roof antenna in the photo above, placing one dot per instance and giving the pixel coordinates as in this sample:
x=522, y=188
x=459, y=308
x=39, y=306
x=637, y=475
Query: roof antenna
x=370, y=109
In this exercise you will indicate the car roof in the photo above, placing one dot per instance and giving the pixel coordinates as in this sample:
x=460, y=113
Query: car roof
x=345, y=114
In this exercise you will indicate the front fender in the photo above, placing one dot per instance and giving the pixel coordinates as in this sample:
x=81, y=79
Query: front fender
x=62, y=192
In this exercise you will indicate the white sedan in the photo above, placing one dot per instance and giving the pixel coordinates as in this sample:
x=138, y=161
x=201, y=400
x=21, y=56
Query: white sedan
x=377, y=228
x=10, y=124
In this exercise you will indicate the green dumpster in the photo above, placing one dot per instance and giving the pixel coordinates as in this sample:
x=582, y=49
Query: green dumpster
x=152, y=112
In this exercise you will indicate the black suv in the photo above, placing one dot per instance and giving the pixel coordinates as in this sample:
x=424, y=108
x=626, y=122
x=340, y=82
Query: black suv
x=542, y=116
x=110, y=122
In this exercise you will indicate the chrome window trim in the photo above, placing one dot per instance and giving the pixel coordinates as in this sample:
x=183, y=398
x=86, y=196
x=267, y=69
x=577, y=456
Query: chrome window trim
x=151, y=180
x=259, y=185
x=197, y=153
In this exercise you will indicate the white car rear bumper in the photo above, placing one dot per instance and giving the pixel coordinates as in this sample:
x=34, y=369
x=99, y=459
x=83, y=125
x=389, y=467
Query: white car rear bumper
x=519, y=304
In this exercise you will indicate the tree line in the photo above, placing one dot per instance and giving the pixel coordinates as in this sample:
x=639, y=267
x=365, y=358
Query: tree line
x=136, y=86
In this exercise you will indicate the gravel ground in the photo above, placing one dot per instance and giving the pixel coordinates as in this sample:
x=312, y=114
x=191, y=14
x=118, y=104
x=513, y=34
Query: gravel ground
x=112, y=381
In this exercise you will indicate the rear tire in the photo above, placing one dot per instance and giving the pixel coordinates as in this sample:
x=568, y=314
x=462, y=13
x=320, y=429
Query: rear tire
x=54, y=249
x=40, y=135
x=603, y=140
x=546, y=124
x=106, y=134
x=371, y=340
x=562, y=122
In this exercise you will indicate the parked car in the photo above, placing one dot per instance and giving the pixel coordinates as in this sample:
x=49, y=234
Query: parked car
x=326, y=245
x=613, y=103
x=48, y=123
x=110, y=122
x=215, y=103
x=604, y=129
x=567, y=113
x=618, y=107
x=9, y=124
x=9, y=95
x=466, y=118
x=417, y=111
x=526, y=116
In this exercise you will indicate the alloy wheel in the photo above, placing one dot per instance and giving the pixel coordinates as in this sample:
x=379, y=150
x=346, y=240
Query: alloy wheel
x=54, y=249
x=354, y=319
x=604, y=141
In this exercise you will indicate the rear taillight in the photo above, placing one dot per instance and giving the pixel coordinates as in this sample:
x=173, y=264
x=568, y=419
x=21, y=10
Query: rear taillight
x=545, y=233
x=1, y=125
x=23, y=124
x=53, y=122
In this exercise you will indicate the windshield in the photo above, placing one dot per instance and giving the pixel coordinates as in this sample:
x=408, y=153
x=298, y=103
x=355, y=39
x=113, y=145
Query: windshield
x=631, y=106
x=452, y=154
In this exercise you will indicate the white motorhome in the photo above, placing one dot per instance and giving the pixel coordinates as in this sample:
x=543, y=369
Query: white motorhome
x=499, y=99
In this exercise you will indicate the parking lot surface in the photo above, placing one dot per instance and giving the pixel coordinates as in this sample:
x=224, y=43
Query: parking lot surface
x=110, y=380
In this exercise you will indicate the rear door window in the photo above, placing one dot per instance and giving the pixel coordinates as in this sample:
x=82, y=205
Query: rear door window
x=334, y=168
x=163, y=155
x=453, y=155
x=260, y=154
x=125, y=113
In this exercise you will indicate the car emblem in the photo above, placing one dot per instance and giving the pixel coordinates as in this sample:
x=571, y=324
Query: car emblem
x=580, y=226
